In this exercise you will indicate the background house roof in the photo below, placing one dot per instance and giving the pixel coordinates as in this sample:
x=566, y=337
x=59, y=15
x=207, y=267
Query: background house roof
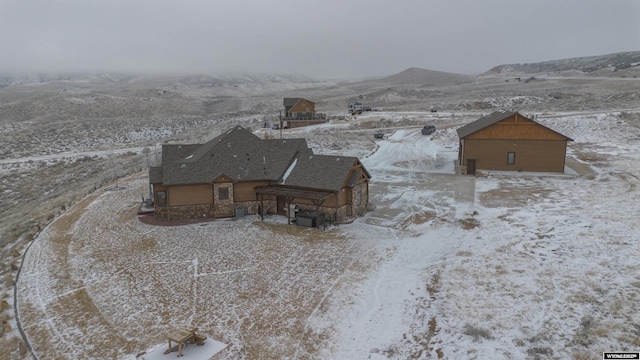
x=288, y=102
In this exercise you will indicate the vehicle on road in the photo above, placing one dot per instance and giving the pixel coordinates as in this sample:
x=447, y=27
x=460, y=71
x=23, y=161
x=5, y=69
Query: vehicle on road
x=428, y=130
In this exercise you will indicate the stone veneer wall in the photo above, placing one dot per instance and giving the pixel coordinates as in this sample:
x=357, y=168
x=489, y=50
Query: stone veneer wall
x=360, y=199
x=184, y=212
x=251, y=207
x=223, y=207
x=200, y=211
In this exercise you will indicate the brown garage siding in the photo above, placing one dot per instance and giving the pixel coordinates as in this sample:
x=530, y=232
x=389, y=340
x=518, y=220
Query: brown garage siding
x=530, y=155
x=517, y=130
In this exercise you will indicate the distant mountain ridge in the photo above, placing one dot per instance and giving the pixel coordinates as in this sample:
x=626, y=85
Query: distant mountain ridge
x=588, y=64
x=204, y=80
x=423, y=77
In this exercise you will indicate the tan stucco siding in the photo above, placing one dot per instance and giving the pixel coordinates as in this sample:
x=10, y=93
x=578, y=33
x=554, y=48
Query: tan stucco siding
x=190, y=195
x=530, y=155
x=246, y=191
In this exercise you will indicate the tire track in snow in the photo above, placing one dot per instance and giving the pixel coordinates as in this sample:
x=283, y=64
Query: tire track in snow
x=324, y=298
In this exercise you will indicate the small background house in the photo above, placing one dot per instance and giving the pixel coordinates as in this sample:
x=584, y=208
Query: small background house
x=241, y=172
x=507, y=140
x=301, y=112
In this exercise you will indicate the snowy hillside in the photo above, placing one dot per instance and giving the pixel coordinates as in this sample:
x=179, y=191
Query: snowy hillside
x=523, y=265
x=611, y=62
x=506, y=265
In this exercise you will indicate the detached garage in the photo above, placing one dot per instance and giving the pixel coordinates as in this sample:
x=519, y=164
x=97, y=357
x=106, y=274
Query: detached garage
x=509, y=141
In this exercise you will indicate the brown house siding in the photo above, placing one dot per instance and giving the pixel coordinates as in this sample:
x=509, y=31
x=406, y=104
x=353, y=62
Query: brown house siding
x=190, y=194
x=530, y=155
x=303, y=106
x=246, y=191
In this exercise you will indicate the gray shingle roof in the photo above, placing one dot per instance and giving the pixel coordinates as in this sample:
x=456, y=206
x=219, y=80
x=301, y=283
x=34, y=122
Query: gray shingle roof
x=174, y=152
x=155, y=175
x=243, y=156
x=320, y=171
x=288, y=102
x=237, y=153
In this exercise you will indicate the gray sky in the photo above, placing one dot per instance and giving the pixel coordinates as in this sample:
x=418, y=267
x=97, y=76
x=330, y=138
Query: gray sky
x=318, y=38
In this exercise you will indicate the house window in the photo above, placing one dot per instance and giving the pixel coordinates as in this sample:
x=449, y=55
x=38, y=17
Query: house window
x=223, y=193
x=161, y=198
x=511, y=158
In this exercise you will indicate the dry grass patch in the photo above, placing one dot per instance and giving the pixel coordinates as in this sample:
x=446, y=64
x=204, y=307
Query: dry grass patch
x=476, y=332
x=469, y=223
x=256, y=282
x=464, y=253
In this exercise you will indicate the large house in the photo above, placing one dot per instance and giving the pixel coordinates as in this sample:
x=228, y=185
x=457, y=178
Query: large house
x=507, y=140
x=301, y=112
x=241, y=172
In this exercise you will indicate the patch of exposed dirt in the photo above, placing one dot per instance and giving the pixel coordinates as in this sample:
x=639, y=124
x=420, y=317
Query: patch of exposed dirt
x=469, y=223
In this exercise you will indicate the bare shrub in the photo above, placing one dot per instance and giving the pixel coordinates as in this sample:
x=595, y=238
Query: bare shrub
x=536, y=351
x=476, y=332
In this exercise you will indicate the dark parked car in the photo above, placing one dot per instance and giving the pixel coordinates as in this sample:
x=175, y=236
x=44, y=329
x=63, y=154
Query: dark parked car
x=428, y=130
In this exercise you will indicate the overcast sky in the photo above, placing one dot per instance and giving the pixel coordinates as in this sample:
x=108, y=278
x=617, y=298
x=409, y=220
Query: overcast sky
x=318, y=38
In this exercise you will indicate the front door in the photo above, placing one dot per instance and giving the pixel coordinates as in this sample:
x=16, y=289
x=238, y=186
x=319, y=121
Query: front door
x=471, y=166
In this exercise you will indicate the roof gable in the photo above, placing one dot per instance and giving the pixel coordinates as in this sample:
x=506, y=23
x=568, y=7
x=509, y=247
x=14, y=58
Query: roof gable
x=484, y=128
x=483, y=122
x=288, y=102
x=324, y=172
x=303, y=105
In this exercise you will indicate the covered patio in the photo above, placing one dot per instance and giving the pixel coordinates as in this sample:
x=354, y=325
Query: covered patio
x=288, y=194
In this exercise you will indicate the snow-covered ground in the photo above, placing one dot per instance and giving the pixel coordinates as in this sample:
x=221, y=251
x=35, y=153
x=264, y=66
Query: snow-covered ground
x=502, y=266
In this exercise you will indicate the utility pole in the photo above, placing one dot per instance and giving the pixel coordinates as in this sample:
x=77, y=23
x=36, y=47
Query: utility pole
x=281, y=124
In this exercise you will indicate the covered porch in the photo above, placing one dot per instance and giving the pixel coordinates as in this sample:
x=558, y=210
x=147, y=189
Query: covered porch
x=285, y=196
